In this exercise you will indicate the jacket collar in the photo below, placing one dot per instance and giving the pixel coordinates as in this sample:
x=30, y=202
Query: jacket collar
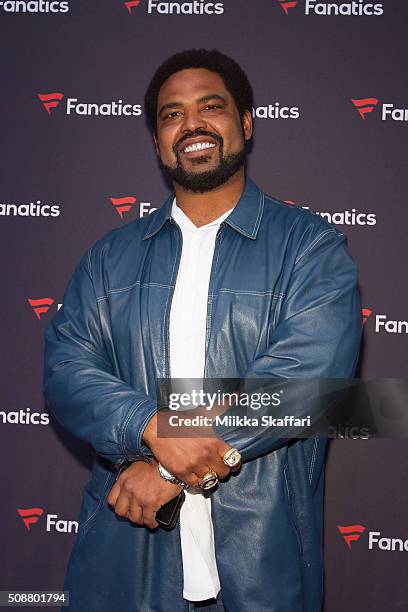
x=245, y=218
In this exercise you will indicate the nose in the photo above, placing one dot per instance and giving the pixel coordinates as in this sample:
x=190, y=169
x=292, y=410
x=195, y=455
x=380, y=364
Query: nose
x=192, y=120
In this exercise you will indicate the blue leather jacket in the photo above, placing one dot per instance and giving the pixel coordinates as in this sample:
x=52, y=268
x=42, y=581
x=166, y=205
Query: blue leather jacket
x=282, y=302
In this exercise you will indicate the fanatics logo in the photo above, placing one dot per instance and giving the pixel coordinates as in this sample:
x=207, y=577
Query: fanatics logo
x=365, y=105
x=275, y=111
x=35, y=6
x=24, y=417
x=30, y=516
x=51, y=100
x=123, y=205
x=384, y=324
x=338, y=8
x=287, y=4
x=388, y=110
x=132, y=4
x=391, y=326
x=193, y=7
x=33, y=209
x=344, y=217
x=366, y=312
x=40, y=306
x=75, y=107
x=351, y=533
x=355, y=8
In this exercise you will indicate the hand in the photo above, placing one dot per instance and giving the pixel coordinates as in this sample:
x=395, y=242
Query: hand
x=140, y=492
x=188, y=458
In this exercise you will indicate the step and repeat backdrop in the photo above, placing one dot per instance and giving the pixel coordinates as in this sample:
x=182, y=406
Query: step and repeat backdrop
x=331, y=125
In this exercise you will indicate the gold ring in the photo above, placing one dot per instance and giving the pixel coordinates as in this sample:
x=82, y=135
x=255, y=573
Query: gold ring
x=232, y=457
x=208, y=481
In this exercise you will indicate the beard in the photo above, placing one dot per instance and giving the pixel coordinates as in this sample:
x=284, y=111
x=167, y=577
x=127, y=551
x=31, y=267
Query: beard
x=207, y=180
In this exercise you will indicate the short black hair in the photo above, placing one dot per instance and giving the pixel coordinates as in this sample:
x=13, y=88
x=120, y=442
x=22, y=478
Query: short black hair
x=235, y=79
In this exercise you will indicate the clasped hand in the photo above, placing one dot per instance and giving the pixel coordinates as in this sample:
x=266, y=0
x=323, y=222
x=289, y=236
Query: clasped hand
x=192, y=454
x=140, y=491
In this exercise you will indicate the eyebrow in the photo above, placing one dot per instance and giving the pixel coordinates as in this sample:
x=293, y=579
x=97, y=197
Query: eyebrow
x=200, y=101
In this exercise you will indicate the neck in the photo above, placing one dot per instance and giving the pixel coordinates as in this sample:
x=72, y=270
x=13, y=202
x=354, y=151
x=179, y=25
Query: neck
x=202, y=208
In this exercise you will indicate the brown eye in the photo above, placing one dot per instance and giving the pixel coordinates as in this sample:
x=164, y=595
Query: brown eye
x=171, y=115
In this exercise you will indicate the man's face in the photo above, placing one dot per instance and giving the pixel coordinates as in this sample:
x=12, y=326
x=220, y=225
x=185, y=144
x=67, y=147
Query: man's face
x=200, y=136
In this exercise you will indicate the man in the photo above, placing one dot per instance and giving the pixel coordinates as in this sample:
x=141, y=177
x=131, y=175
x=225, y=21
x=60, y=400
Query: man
x=222, y=281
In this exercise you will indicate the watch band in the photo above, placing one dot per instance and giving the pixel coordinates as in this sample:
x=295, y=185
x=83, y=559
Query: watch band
x=167, y=476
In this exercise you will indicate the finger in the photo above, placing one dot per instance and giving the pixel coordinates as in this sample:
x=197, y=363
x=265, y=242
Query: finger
x=114, y=494
x=234, y=468
x=192, y=480
x=223, y=470
x=209, y=469
x=219, y=467
x=149, y=517
x=216, y=459
x=223, y=447
x=122, y=505
x=135, y=514
x=213, y=461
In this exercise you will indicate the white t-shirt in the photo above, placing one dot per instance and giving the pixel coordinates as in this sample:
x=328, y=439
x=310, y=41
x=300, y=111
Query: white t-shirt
x=187, y=357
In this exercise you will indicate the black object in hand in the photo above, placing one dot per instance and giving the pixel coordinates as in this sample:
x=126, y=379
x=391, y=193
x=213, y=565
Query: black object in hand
x=168, y=514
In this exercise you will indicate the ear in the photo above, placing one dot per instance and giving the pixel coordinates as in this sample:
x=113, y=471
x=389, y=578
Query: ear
x=156, y=145
x=247, y=125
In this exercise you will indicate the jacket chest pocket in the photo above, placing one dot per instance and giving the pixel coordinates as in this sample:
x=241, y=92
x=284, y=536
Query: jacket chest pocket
x=240, y=324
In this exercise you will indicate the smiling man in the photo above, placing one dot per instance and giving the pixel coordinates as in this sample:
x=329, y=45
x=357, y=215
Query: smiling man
x=222, y=282
x=200, y=135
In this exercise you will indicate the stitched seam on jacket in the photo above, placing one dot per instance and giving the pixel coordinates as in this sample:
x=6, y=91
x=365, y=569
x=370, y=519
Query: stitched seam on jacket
x=213, y=296
x=98, y=317
x=99, y=505
x=260, y=210
x=257, y=220
x=313, y=460
x=166, y=326
x=239, y=229
x=142, y=428
x=136, y=284
x=260, y=293
x=292, y=509
x=286, y=480
x=126, y=423
x=313, y=244
x=89, y=264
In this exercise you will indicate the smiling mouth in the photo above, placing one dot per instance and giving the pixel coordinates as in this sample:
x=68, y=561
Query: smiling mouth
x=198, y=146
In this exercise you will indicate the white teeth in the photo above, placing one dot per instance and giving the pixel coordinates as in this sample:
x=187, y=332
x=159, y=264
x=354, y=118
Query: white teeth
x=199, y=146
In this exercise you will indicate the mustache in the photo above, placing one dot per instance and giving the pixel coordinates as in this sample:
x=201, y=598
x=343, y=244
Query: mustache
x=194, y=134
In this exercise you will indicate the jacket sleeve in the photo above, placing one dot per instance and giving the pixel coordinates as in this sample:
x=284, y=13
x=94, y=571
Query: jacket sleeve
x=317, y=337
x=80, y=387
